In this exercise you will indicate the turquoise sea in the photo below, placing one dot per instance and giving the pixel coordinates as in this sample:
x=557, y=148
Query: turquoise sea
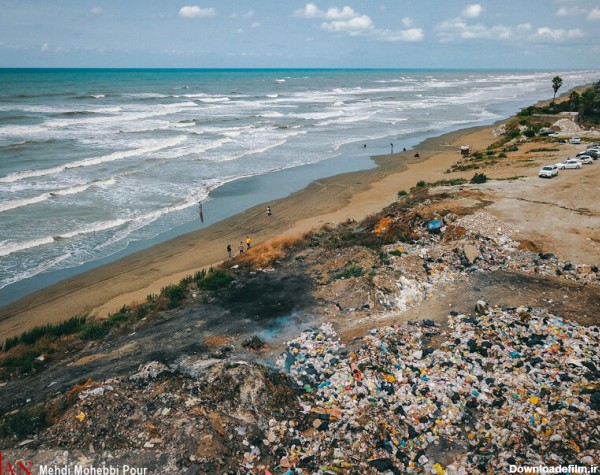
x=96, y=164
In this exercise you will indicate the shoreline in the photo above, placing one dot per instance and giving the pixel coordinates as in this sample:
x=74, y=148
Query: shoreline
x=352, y=195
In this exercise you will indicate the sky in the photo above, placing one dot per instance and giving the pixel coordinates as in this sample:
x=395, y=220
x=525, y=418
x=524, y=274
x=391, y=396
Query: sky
x=490, y=34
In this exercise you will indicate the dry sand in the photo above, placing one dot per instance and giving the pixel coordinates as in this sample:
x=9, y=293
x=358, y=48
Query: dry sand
x=561, y=214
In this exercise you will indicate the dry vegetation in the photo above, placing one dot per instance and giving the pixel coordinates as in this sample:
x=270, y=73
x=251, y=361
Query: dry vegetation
x=266, y=254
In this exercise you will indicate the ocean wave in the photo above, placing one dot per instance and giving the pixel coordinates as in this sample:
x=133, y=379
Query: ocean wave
x=72, y=190
x=152, y=146
x=27, y=143
x=10, y=247
x=42, y=267
x=92, y=228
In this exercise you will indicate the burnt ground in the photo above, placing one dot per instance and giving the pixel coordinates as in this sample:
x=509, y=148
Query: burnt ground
x=277, y=305
x=266, y=304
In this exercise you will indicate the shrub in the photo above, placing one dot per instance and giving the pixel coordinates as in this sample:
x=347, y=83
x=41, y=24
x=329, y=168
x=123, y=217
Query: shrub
x=174, y=293
x=402, y=193
x=350, y=271
x=479, y=178
x=22, y=423
x=265, y=254
x=421, y=184
x=215, y=279
x=68, y=327
x=22, y=362
x=95, y=331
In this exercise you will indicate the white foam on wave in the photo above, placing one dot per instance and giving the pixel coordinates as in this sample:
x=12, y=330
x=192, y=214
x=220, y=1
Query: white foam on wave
x=10, y=247
x=93, y=228
x=149, y=217
x=149, y=147
x=8, y=205
x=320, y=115
x=34, y=271
x=12, y=204
x=270, y=114
x=210, y=100
x=118, y=116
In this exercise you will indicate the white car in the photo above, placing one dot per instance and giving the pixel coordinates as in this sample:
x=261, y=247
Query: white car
x=585, y=159
x=575, y=140
x=548, y=171
x=570, y=163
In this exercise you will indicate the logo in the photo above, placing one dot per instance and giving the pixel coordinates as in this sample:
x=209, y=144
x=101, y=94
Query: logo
x=18, y=467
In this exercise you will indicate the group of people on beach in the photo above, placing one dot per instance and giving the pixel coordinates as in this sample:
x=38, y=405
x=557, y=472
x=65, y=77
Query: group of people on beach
x=241, y=248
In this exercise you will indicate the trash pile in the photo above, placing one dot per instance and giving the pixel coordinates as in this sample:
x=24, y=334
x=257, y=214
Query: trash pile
x=505, y=387
x=430, y=264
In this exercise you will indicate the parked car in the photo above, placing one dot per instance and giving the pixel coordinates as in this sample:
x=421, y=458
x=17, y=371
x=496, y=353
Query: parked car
x=585, y=159
x=554, y=135
x=570, y=163
x=591, y=152
x=548, y=171
x=575, y=140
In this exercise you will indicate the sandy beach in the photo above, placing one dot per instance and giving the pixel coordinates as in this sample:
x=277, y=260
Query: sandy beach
x=334, y=200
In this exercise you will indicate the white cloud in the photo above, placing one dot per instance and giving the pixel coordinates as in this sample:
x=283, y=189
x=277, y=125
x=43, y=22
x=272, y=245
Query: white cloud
x=346, y=20
x=472, y=11
x=558, y=34
x=410, y=35
x=96, y=11
x=310, y=10
x=594, y=14
x=457, y=29
x=196, y=12
x=572, y=11
x=45, y=47
x=255, y=25
x=249, y=14
x=353, y=26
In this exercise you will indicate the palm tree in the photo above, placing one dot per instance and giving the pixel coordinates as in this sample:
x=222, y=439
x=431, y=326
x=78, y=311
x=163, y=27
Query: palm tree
x=556, y=84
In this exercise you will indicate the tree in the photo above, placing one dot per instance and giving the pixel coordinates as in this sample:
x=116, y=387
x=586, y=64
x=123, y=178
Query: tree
x=574, y=100
x=556, y=84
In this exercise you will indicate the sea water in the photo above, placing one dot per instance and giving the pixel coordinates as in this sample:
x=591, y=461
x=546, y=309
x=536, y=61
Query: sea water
x=96, y=164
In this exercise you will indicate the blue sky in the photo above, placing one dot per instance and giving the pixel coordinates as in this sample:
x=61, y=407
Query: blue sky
x=547, y=34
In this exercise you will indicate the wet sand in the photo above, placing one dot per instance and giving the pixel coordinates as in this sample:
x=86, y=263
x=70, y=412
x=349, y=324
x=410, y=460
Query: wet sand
x=332, y=200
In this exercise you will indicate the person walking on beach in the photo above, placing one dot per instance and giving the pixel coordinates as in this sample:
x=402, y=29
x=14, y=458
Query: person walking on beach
x=392, y=148
x=241, y=247
x=248, y=242
x=269, y=212
x=201, y=213
x=229, y=250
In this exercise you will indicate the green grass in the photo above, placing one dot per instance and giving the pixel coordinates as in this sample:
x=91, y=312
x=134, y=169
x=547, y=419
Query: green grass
x=350, y=271
x=30, y=337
